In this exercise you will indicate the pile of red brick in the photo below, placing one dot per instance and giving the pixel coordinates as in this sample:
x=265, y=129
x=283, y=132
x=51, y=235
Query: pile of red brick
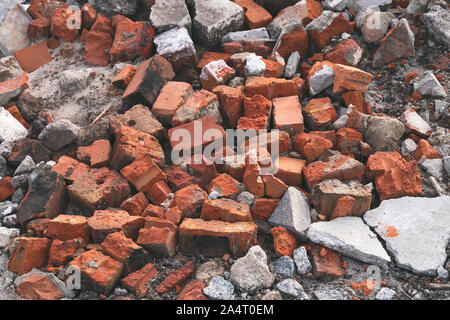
x=137, y=204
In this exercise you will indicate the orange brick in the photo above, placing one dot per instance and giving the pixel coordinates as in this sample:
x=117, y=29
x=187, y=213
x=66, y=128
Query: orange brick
x=287, y=115
x=290, y=170
x=142, y=173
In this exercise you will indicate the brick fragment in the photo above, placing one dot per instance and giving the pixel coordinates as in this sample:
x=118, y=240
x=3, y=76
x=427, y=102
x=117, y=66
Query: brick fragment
x=28, y=253
x=68, y=227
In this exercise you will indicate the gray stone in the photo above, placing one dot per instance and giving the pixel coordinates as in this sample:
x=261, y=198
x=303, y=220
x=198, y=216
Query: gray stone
x=120, y=292
x=10, y=128
x=292, y=288
x=20, y=181
x=373, y=23
x=323, y=21
x=7, y=208
x=383, y=133
x=434, y=167
x=4, y=170
x=408, y=146
x=6, y=5
x=423, y=227
x=6, y=236
x=336, y=5
x=360, y=4
x=442, y=273
x=110, y=8
x=208, y=270
x=254, y=66
x=58, y=134
x=18, y=195
x=260, y=33
x=399, y=43
x=11, y=221
x=251, y=272
x=437, y=21
x=246, y=197
x=26, y=166
x=440, y=140
x=284, y=266
x=13, y=31
x=168, y=14
x=416, y=6
x=441, y=107
x=292, y=213
x=9, y=68
x=177, y=47
x=351, y=237
x=301, y=261
x=292, y=65
x=328, y=295
x=272, y=295
x=219, y=289
x=6, y=147
x=214, y=19
x=321, y=79
x=447, y=164
x=3, y=262
x=68, y=293
x=6, y=279
x=385, y=294
x=428, y=85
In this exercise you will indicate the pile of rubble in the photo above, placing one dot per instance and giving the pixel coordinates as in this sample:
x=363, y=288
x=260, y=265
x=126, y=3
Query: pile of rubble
x=352, y=95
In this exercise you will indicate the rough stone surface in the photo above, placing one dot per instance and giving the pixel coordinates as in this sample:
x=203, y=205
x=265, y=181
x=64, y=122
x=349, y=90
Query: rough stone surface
x=428, y=85
x=416, y=231
x=351, y=237
x=301, y=261
x=437, y=20
x=168, y=14
x=292, y=288
x=284, y=266
x=219, y=289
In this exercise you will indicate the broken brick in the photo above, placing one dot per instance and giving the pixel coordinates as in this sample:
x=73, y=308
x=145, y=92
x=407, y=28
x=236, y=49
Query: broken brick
x=326, y=263
x=61, y=252
x=310, y=145
x=98, y=272
x=287, y=115
x=70, y=169
x=225, y=210
x=96, y=48
x=193, y=291
x=231, y=100
x=96, y=155
x=215, y=73
x=350, y=78
x=270, y=87
x=142, y=173
x=290, y=170
x=319, y=113
x=135, y=205
x=225, y=185
x=263, y=208
x=424, y=149
x=190, y=200
x=161, y=242
x=215, y=238
x=132, y=39
x=6, y=189
x=28, y=253
x=66, y=24
x=158, y=193
x=176, y=278
x=68, y=227
x=137, y=281
x=255, y=16
x=284, y=242
x=124, y=77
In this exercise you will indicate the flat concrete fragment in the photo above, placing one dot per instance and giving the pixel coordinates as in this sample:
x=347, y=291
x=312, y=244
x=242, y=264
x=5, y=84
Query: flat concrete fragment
x=416, y=231
x=351, y=237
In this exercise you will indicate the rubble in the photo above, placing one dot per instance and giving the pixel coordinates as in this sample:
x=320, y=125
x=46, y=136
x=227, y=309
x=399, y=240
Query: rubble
x=437, y=20
x=166, y=15
x=428, y=231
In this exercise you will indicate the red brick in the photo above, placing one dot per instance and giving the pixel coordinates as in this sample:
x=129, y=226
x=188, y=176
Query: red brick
x=225, y=210
x=174, y=215
x=177, y=178
x=231, y=100
x=263, y=208
x=350, y=78
x=33, y=57
x=125, y=250
x=131, y=143
x=88, y=15
x=343, y=207
x=156, y=222
x=135, y=205
x=356, y=98
x=38, y=287
x=255, y=16
x=215, y=73
x=158, y=193
x=6, y=189
x=326, y=263
x=103, y=24
x=151, y=76
x=208, y=57
x=274, y=187
x=225, y=185
x=38, y=227
x=197, y=236
x=345, y=49
x=189, y=200
x=287, y=115
x=96, y=48
x=193, y=291
x=290, y=170
x=338, y=26
x=154, y=211
x=319, y=113
x=67, y=227
x=270, y=87
x=96, y=155
x=176, y=278
x=104, y=277
x=44, y=8
x=142, y=173
x=39, y=28
x=172, y=96
x=64, y=24
x=136, y=282
x=311, y=146
x=99, y=189
x=348, y=140
x=132, y=39
x=292, y=40
x=253, y=180
x=28, y=253
x=158, y=241
x=424, y=149
x=394, y=176
x=284, y=242
x=70, y=168
x=124, y=77
x=61, y=252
